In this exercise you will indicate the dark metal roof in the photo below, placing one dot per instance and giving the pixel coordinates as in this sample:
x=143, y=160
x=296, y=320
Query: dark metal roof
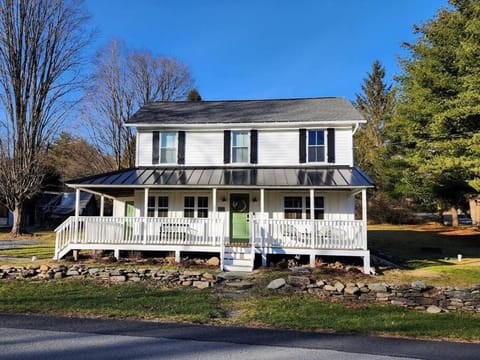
x=246, y=111
x=337, y=177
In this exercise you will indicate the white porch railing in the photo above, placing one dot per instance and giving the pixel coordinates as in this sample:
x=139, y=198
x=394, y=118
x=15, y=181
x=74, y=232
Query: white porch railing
x=139, y=231
x=316, y=234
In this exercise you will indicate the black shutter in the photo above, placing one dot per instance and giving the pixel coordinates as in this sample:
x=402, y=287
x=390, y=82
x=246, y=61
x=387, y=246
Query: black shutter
x=253, y=146
x=331, y=145
x=155, y=147
x=302, y=149
x=181, y=147
x=226, y=146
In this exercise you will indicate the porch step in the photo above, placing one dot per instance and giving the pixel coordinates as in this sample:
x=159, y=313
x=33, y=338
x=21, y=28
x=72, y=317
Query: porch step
x=238, y=258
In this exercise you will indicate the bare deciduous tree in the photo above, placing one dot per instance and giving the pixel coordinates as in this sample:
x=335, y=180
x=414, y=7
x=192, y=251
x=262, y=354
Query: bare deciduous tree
x=41, y=44
x=122, y=82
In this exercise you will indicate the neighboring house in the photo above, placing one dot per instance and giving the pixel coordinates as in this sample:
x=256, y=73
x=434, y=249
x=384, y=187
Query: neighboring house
x=6, y=217
x=239, y=178
x=54, y=208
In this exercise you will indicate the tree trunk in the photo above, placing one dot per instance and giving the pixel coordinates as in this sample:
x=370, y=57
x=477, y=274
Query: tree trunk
x=17, y=220
x=475, y=210
x=453, y=211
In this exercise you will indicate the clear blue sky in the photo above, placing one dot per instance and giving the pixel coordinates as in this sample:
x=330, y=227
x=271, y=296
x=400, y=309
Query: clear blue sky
x=253, y=49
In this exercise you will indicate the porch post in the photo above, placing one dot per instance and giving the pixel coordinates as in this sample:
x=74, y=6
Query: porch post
x=145, y=214
x=214, y=203
x=312, y=205
x=145, y=203
x=77, y=213
x=262, y=226
x=364, y=218
x=312, y=222
x=102, y=205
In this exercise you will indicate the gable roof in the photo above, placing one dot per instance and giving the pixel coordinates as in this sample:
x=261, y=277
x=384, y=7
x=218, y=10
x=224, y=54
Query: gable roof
x=330, y=109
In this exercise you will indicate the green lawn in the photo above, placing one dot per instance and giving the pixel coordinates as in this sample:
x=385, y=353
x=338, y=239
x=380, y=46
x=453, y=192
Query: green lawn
x=258, y=308
x=88, y=297
x=43, y=245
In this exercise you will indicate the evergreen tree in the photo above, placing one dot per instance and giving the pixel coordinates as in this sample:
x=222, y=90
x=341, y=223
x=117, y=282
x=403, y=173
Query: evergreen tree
x=194, y=95
x=375, y=103
x=437, y=125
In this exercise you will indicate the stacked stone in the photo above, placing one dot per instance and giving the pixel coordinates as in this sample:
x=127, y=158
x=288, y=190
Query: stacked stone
x=417, y=296
x=169, y=278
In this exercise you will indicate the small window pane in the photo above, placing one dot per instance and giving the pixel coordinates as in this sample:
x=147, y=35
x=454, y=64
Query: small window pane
x=162, y=212
x=168, y=139
x=203, y=202
x=312, y=138
x=189, y=213
x=320, y=137
x=320, y=154
x=240, y=138
x=151, y=201
x=151, y=213
x=189, y=201
x=163, y=201
x=240, y=155
x=203, y=213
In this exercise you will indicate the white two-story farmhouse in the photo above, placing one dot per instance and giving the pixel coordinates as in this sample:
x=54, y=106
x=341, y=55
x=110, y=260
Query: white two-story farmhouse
x=244, y=179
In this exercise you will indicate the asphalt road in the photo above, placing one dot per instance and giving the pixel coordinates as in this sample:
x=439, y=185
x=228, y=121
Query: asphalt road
x=48, y=337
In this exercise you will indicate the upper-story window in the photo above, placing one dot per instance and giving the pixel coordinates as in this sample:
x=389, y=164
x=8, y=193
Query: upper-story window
x=240, y=146
x=316, y=146
x=168, y=147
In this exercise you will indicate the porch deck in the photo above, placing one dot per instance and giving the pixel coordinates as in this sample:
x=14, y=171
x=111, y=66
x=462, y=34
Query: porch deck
x=267, y=236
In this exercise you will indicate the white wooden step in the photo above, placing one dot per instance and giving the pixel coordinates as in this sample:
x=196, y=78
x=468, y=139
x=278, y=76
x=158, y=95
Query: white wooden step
x=241, y=262
x=237, y=268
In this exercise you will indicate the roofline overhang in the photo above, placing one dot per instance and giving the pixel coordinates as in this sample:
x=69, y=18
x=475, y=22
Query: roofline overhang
x=223, y=187
x=267, y=125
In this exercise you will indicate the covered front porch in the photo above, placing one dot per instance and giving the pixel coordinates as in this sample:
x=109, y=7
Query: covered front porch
x=239, y=222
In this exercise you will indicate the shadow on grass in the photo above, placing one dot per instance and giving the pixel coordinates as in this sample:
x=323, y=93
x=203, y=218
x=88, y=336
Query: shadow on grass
x=414, y=249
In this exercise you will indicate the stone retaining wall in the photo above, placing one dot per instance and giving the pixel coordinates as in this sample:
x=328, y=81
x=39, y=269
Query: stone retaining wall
x=417, y=296
x=170, y=278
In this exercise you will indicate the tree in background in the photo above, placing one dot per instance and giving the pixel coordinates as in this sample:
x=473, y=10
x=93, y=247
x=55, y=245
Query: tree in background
x=437, y=124
x=73, y=157
x=123, y=81
x=41, y=43
x=376, y=104
x=194, y=95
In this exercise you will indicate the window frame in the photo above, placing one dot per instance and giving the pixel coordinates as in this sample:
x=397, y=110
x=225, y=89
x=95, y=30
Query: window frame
x=155, y=208
x=196, y=208
x=293, y=209
x=304, y=209
x=162, y=149
x=315, y=208
x=234, y=147
x=316, y=146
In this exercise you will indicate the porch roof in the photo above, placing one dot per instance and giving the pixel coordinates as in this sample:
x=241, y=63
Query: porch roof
x=300, y=177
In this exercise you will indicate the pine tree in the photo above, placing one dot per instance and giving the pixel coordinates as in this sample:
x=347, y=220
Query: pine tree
x=375, y=103
x=438, y=114
x=194, y=95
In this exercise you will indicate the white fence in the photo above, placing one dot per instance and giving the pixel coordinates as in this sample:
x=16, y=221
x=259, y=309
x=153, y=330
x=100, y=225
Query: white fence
x=304, y=234
x=314, y=234
x=139, y=231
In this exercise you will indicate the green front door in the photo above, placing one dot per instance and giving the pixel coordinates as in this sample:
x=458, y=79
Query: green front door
x=239, y=221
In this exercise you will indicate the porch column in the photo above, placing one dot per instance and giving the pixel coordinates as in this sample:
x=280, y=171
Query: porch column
x=145, y=203
x=102, y=205
x=77, y=213
x=145, y=214
x=364, y=218
x=214, y=203
x=262, y=226
x=312, y=204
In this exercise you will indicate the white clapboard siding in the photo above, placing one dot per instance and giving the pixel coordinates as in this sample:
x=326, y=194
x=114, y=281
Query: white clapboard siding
x=144, y=148
x=204, y=148
x=278, y=147
x=343, y=146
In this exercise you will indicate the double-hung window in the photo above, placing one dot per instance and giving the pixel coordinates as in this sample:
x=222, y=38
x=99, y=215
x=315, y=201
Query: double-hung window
x=292, y=207
x=198, y=207
x=316, y=145
x=168, y=147
x=157, y=206
x=240, y=146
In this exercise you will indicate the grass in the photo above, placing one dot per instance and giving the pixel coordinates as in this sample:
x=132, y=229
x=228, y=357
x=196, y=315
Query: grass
x=42, y=245
x=303, y=312
x=258, y=308
x=88, y=297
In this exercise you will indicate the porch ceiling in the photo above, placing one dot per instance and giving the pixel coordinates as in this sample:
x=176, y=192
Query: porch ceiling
x=306, y=177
